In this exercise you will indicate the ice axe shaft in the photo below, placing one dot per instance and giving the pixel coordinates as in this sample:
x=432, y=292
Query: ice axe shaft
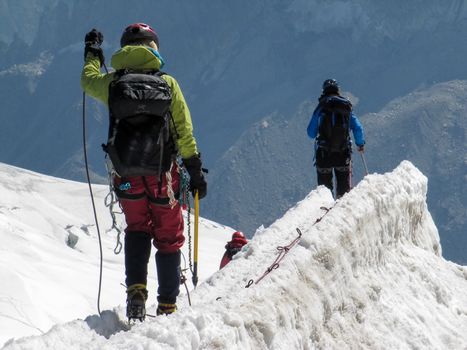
x=195, y=246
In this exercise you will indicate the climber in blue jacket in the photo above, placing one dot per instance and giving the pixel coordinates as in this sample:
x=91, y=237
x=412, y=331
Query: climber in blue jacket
x=330, y=125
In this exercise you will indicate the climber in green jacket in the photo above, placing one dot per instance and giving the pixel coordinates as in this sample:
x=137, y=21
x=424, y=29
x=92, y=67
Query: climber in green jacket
x=150, y=124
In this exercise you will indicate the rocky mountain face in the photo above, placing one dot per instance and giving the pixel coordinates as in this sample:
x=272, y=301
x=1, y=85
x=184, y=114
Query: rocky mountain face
x=238, y=63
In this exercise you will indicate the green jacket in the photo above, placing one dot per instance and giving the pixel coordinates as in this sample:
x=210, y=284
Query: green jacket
x=96, y=84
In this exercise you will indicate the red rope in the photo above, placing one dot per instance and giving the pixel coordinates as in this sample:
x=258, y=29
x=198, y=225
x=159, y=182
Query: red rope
x=283, y=250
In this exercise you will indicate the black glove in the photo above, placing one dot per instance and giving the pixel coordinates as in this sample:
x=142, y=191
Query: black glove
x=93, y=41
x=94, y=37
x=361, y=148
x=197, y=182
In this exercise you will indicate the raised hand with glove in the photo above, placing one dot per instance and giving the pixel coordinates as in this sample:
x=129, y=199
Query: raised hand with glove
x=93, y=41
x=197, y=181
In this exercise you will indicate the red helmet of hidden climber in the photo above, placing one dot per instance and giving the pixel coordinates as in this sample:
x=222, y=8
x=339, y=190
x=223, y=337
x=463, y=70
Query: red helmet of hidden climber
x=233, y=247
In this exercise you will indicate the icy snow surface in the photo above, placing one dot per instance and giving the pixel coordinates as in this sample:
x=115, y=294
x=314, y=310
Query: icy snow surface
x=368, y=275
x=43, y=280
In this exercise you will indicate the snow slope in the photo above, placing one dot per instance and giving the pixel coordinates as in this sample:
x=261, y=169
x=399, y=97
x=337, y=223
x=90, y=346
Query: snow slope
x=44, y=280
x=366, y=274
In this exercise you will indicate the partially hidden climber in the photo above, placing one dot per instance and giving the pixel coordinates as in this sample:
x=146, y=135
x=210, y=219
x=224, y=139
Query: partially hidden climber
x=233, y=247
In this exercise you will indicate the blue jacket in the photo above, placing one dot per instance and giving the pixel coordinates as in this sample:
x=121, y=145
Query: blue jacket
x=355, y=126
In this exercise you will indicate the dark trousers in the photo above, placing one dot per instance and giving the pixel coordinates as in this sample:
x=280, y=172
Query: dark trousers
x=337, y=162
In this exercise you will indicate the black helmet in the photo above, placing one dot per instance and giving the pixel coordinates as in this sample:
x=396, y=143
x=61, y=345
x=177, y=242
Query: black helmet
x=330, y=86
x=137, y=32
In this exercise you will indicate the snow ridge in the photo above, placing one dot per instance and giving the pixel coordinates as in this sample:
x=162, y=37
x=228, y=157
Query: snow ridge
x=368, y=275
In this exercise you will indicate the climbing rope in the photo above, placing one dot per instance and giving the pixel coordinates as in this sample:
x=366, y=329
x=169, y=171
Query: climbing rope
x=110, y=201
x=283, y=250
x=185, y=203
x=101, y=258
x=170, y=190
x=93, y=206
x=183, y=280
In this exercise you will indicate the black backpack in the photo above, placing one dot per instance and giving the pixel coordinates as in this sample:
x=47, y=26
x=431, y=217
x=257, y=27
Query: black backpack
x=334, y=127
x=139, y=141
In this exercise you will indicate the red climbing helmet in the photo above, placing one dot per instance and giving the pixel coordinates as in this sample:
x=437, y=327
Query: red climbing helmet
x=238, y=240
x=233, y=247
x=136, y=32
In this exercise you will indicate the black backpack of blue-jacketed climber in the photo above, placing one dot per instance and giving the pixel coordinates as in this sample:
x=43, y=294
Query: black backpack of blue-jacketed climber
x=334, y=124
x=140, y=142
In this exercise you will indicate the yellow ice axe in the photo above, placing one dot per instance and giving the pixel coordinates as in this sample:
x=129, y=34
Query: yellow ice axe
x=195, y=248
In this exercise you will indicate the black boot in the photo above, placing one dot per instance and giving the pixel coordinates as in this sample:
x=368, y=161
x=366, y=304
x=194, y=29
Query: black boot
x=137, y=295
x=168, y=276
x=166, y=308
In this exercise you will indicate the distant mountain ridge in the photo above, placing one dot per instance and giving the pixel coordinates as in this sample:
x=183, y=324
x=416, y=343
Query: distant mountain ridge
x=237, y=63
x=263, y=57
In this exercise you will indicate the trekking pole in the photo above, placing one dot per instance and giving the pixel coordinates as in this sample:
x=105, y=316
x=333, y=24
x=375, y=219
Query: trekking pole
x=364, y=163
x=195, y=245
